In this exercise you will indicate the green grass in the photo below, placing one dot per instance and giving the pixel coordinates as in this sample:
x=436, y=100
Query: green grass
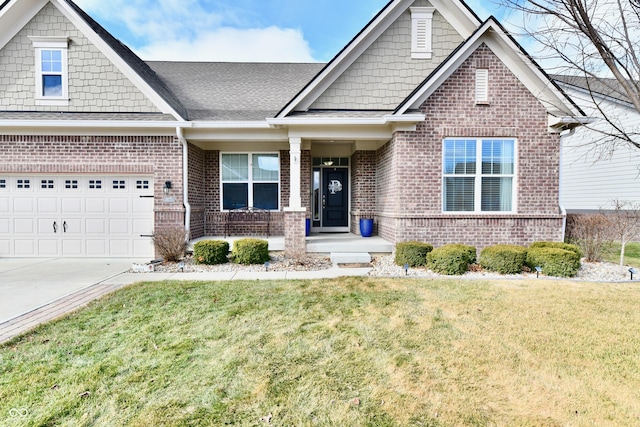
x=346, y=352
x=631, y=254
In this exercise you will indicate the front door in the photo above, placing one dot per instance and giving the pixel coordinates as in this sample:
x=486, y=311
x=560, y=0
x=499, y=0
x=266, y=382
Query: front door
x=335, y=197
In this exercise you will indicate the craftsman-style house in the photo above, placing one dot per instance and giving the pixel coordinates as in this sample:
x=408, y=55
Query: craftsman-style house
x=435, y=124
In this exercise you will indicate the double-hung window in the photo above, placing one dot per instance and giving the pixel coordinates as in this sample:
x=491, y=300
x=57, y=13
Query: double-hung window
x=479, y=175
x=51, y=73
x=250, y=180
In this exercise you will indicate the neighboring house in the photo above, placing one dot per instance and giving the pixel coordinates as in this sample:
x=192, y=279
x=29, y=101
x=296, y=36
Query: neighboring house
x=436, y=124
x=595, y=170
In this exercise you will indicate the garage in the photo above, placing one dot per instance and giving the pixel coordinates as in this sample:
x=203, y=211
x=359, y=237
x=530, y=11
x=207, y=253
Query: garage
x=76, y=216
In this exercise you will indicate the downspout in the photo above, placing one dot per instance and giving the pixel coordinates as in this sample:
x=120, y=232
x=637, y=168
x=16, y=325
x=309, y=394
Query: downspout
x=185, y=182
x=563, y=211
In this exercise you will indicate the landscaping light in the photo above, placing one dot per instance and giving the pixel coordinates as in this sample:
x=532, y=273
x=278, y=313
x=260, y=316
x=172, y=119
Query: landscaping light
x=266, y=266
x=632, y=271
x=538, y=270
x=181, y=266
x=406, y=269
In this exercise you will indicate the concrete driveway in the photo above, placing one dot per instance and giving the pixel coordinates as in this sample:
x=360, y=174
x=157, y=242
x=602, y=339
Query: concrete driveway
x=29, y=283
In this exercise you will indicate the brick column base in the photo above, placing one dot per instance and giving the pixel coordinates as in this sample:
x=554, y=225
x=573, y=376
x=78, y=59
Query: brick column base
x=295, y=242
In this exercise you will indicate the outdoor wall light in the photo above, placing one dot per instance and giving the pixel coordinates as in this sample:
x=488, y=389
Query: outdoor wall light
x=167, y=187
x=538, y=270
x=328, y=162
x=632, y=271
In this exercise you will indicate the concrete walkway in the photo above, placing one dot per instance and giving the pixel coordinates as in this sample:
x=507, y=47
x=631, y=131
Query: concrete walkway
x=37, y=291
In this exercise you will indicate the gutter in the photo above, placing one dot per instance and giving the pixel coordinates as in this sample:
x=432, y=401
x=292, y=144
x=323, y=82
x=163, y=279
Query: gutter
x=185, y=182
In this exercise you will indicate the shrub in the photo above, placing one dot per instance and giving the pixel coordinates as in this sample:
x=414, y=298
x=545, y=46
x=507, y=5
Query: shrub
x=250, y=251
x=504, y=259
x=592, y=234
x=171, y=243
x=559, y=245
x=211, y=252
x=451, y=259
x=412, y=253
x=554, y=261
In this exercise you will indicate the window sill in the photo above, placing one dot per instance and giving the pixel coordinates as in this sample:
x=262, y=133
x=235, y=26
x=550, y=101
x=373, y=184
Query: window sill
x=56, y=102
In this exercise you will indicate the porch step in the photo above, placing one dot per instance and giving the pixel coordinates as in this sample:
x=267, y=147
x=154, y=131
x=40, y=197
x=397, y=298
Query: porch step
x=352, y=259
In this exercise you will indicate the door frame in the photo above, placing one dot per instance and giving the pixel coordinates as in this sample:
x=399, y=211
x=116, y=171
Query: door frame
x=320, y=228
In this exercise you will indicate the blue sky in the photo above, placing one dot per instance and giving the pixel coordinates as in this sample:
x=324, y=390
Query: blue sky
x=238, y=30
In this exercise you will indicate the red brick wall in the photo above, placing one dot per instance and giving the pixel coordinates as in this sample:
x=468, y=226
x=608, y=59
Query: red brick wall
x=160, y=156
x=409, y=194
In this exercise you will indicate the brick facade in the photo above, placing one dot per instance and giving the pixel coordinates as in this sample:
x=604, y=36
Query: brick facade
x=363, y=187
x=409, y=174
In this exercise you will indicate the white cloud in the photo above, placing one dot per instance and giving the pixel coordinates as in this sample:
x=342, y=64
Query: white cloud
x=184, y=30
x=231, y=45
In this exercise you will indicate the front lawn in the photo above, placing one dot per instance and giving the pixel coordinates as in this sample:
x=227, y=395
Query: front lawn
x=631, y=254
x=347, y=352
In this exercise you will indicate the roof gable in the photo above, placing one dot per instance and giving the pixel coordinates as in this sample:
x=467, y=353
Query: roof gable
x=494, y=36
x=454, y=11
x=16, y=14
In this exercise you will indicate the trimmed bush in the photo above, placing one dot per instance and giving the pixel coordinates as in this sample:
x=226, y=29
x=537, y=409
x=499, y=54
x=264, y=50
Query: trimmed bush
x=211, y=252
x=554, y=261
x=503, y=259
x=451, y=259
x=412, y=253
x=250, y=251
x=559, y=245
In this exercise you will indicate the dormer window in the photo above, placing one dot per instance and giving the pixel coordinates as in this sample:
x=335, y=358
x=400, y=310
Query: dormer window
x=421, y=32
x=51, y=73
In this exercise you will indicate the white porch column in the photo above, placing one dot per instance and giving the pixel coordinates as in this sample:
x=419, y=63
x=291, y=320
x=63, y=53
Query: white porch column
x=295, y=201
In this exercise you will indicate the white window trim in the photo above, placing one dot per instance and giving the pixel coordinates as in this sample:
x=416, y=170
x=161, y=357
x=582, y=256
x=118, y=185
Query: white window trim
x=477, y=202
x=421, y=32
x=52, y=43
x=250, y=181
x=482, y=86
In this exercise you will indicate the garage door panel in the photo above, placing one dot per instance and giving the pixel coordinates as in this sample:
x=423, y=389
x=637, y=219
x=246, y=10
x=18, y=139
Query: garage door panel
x=96, y=247
x=95, y=226
x=49, y=226
x=4, y=205
x=72, y=247
x=72, y=226
x=48, y=247
x=24, y=247
x=4, y=226
x=142, y=226
x=95, y=205
x=71, y=205
x=24, y=225
x=119, y=205
x=5, y=247
x=142, y=205
x=47, y=205
x=119, y=247
x=143, y=247
x=23, y=205
x=119, y=226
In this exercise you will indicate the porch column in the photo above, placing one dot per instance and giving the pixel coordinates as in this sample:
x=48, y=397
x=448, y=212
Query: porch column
x=295, y=150
x=294, y=215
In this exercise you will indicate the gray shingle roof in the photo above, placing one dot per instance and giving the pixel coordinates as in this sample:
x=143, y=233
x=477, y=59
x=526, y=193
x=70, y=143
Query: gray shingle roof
x=219, y=91
x=603, y=86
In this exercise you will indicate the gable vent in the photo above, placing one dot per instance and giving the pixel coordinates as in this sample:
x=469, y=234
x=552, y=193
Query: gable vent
x=421, y=29
x=482, y=86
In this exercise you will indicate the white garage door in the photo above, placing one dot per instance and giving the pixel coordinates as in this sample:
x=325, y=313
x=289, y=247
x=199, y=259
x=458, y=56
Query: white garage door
x=76, y=216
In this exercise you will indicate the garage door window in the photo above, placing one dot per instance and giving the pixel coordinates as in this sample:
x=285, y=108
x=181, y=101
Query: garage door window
x=95, y=184
x=47, y=184
x=23, y=184
x=119, y=185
